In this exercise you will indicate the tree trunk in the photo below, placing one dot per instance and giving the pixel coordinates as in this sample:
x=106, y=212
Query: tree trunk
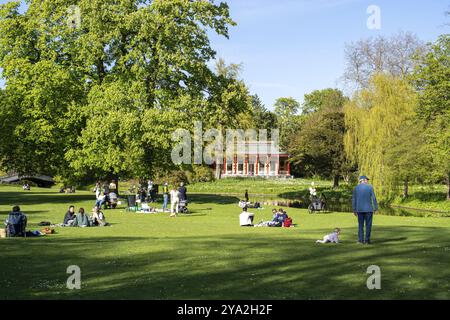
x=218, y=171
x=448, y=187
x=101, y=72
x=336, y=182
x=116, y=181
x=406, y=188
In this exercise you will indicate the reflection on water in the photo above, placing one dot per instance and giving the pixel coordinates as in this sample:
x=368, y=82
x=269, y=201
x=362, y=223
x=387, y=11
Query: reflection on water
x=342, y=206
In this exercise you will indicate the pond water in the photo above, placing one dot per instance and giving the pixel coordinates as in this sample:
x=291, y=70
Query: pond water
x=342, y=206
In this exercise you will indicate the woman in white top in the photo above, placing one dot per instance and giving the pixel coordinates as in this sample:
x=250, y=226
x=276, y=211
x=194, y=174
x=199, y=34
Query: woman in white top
x=246, y=218
x=174, y=201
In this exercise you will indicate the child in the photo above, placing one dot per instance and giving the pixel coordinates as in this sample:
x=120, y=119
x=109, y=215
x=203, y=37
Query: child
x=332, y=237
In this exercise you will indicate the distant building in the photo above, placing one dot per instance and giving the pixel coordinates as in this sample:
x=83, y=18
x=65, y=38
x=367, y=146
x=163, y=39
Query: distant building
x=257, y=159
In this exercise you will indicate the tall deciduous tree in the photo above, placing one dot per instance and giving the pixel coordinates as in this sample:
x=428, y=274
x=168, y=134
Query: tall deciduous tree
x=323, y=99
x=318, y=148
x=376, y=119
x=286, y=110
x=393, y=55
x=103, y=92
x=432, y=80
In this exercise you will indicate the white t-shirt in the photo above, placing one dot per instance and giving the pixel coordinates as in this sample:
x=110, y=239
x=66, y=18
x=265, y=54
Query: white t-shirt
x=244, y=218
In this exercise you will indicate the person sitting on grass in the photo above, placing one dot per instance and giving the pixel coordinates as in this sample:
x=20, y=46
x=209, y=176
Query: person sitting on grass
x=98, y=218
x=16, y=223
x=332, y=237
x=69, y=217
x=81, y=219
x=246, y=218
x=275, y=222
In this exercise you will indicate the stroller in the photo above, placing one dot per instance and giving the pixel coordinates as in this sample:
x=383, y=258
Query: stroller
x=182, y=206
x=317, y=205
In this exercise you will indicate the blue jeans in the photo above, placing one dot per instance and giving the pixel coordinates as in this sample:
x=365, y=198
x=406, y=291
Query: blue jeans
x=364, y=218
x=99, y=203
x=166, y=201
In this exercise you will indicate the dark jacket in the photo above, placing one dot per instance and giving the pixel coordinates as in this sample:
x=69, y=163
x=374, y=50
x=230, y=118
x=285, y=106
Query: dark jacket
x=363, y=199
x=69, y=216
x=182, y=190
x=16, y=223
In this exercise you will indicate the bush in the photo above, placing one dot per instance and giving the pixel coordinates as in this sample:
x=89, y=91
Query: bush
x=176, y=177
x=201, y=174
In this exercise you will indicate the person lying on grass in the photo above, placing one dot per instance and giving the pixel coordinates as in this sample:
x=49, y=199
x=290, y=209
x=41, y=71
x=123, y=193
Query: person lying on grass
x=246, y=218
x=332, y=237
x=81, y=219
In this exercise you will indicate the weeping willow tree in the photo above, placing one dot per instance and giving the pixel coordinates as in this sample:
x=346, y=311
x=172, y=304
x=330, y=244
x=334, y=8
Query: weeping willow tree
x=375, y=121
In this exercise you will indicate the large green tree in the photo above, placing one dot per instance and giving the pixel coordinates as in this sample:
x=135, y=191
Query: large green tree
x=432, y=81
x=103, y=90
x=288, y=119
x=378, y=119
x=318, y=148
x=323, y=99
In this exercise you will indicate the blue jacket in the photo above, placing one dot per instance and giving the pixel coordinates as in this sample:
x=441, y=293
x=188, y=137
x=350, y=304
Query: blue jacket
x=364, y=199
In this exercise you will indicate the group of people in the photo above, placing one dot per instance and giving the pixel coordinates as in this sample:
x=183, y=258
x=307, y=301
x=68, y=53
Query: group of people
x=364, y=205
x=106, y=195
x=280, y=218
x=363, y=201
x=178, y=199
x=146, y=193
x=66, y=189
x=82, y=219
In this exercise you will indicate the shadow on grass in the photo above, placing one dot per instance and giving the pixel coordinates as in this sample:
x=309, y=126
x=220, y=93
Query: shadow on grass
x=30, y=198
x=199, y=198
x=427, y=196
x=254, y=265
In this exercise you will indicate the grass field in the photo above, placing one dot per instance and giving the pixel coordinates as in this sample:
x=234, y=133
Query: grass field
x=206, y=255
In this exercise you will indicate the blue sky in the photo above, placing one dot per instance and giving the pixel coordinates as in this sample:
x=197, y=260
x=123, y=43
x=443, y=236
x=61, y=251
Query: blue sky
x=291, y=47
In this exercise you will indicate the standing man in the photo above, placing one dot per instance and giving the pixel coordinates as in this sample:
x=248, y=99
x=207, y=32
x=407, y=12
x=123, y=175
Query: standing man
x=165, y=196
x=183, y=192
x=150, y=189
x=364, y=205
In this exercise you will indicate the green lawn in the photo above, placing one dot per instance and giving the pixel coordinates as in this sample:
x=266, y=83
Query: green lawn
x=423, y=197
x=206, y=255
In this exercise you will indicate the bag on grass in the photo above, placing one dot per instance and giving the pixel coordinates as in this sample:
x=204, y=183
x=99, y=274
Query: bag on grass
x=287, y=222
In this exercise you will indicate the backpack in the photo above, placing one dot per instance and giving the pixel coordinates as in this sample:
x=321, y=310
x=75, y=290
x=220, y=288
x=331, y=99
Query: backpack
x=287, y=222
